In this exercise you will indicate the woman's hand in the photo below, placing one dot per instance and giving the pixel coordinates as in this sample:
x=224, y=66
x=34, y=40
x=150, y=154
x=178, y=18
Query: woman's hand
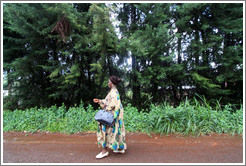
x=96, y=100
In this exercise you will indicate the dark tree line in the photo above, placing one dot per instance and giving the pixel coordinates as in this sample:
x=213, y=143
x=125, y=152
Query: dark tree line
x=65, y=53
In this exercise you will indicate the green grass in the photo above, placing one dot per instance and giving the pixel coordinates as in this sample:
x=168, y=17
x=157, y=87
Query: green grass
x=196, y=119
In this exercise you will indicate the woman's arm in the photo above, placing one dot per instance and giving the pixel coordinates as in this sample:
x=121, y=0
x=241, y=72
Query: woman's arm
x=114, y=103
x=102, y=103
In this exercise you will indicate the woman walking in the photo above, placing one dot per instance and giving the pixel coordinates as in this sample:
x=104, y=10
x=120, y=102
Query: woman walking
x=112, y=137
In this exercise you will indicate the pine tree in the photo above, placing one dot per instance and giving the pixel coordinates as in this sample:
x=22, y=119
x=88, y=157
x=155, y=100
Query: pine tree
x=127, y=15
x=207, y=28
x=60, y=44
x=65, y=53
x=24, y=51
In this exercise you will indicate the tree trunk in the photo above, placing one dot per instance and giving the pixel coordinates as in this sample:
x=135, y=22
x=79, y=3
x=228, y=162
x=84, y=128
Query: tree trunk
x=135, y=86
x=179, y=62
x=175, y=97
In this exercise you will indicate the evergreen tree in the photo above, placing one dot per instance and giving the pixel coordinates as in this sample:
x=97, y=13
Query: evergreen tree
x=204, y=28
x=129, y=17
x=25, y=33
x=65, y=53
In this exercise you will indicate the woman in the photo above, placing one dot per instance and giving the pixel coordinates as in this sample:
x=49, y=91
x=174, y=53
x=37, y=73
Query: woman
x=112, y=137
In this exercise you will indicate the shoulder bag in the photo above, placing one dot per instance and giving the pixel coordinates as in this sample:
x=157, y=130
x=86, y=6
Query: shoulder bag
x=105, y=117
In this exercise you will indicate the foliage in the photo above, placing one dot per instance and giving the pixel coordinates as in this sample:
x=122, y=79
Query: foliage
x=54, y=71
x=52, y=119
x=171, y=46
x=184, y=44
x=195, y=117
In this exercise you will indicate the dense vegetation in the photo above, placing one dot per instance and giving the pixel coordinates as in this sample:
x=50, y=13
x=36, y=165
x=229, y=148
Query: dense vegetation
x=65, y=53
x=191, y=117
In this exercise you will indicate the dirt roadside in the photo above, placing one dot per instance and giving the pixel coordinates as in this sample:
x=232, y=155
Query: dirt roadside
x=20, y=147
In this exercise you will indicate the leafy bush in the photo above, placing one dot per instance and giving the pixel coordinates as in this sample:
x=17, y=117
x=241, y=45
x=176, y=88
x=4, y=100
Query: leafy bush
x=196, y=118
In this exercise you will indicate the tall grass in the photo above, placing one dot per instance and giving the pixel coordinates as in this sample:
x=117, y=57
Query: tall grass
x=53, y=119
x=188, y=118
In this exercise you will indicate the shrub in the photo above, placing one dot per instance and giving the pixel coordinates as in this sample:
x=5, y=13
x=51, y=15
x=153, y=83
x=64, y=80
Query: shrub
x=187, y=118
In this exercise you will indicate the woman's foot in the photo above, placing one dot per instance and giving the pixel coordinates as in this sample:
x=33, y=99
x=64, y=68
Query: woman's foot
x=102, y=154
x=119, y=151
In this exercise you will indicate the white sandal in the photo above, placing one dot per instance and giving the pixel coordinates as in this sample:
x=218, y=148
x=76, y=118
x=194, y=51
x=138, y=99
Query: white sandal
x=101, y=155
x=119, y=151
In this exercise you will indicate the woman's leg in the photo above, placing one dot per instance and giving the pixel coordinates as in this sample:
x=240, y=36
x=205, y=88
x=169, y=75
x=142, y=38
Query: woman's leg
x=105, y=150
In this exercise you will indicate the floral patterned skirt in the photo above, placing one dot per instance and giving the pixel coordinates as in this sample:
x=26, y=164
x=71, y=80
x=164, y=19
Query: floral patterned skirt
x=112, y=137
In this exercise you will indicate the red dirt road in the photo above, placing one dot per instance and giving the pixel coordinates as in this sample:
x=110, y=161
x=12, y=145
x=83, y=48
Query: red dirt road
x=82, y=148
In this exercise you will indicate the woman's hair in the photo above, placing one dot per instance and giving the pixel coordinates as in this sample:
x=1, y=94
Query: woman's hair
x=115, y=80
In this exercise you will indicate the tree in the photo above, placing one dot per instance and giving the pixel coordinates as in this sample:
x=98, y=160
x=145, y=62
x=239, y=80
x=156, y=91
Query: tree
x=65, y=53
x=27, y=36
x=62, y=52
